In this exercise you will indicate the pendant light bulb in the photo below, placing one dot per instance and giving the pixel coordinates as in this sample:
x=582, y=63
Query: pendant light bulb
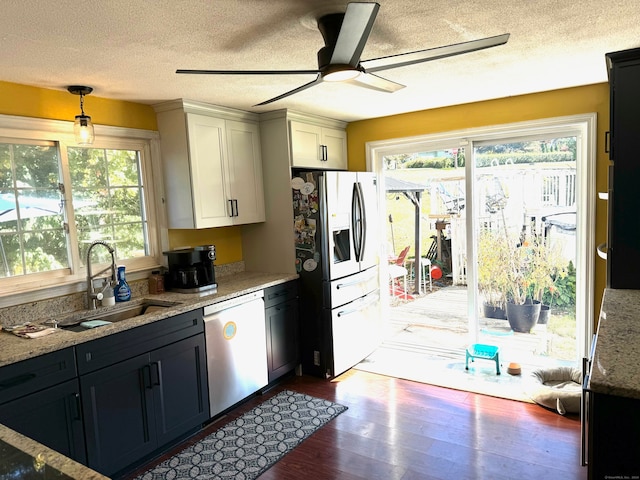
x=82, y=127
x=83, y=130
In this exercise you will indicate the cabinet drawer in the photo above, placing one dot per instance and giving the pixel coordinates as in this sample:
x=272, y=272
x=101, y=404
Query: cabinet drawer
x=280, y=293
x=35, y=374
x=121, y=346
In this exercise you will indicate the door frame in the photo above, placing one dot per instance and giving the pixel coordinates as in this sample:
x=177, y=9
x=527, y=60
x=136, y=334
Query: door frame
x=583, y=126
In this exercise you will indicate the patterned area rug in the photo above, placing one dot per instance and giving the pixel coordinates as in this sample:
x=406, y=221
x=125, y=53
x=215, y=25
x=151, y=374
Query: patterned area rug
x=247, y=446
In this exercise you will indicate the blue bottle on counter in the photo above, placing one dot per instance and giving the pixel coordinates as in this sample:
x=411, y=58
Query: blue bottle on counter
x=122, y=291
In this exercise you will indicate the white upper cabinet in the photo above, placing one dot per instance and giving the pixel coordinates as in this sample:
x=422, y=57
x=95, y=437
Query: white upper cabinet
x=315, y=146
x=245, y=171
x=212, y=165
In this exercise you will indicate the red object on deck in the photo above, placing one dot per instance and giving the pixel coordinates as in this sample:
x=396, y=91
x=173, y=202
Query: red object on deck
x=396, y=291
x=436, y=272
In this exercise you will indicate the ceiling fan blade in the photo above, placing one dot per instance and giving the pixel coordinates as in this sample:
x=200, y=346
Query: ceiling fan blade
x=354, y=32
x=375, y=82
x=249, y=72
x=394, y=61
x=291, y=92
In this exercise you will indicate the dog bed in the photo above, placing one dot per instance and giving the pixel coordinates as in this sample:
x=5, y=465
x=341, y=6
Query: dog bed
x=559, y=389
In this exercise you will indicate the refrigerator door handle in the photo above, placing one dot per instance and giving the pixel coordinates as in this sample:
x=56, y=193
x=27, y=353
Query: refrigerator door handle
x=363, y=220
x=355, y=221
x=365, y=302
x=358, y=221
x=356, y=281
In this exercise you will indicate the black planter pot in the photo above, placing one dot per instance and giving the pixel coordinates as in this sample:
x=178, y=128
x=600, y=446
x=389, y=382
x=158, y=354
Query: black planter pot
x=522, y=318
x=489, y=311
x=545, y=313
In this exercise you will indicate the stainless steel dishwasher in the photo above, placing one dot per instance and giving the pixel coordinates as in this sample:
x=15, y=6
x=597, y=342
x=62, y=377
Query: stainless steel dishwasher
x=236, y=349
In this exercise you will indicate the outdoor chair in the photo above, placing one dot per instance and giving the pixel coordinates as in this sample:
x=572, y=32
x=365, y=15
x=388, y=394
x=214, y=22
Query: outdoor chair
x=397, y=270
x=425, y=263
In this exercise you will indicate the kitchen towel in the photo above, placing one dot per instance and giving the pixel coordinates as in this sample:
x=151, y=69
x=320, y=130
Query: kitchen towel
x=247, y=446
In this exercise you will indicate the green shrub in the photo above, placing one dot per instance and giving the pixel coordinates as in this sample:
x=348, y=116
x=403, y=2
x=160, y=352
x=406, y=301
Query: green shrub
x=564, y=293
x=430, y=162
x=486, y=159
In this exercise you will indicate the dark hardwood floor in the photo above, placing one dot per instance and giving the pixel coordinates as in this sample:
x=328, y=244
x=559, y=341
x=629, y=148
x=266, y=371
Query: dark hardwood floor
x=398, y=429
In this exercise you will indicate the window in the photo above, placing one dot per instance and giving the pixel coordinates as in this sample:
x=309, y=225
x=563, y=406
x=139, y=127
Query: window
x=31, y=218
x=108, y=200
x=56, y=198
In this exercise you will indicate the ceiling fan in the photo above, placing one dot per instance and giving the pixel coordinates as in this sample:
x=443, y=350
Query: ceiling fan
x=345, y=35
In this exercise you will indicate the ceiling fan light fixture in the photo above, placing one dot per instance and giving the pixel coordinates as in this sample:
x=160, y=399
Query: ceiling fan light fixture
x=340, y=73
x=82, y=126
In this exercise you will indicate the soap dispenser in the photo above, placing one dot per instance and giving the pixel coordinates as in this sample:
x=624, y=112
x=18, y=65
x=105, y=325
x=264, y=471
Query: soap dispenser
x=122, y=291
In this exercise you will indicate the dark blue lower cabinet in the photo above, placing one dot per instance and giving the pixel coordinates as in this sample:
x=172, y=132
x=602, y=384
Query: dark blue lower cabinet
x=52, y=417
x=180, y=392
x=136, y=406
x=283, y=343
x=116, y=405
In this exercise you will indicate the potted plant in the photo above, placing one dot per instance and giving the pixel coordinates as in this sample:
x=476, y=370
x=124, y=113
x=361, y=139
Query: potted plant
x=492, y=277
x=532, y=269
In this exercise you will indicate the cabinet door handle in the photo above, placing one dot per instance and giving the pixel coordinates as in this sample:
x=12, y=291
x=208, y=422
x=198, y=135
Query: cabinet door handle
x=18, y=380
x=146, y=377
x=235, y=209
x=584, y=419
x=607, y=142
x=325, y=153
x=230, y=209
x=75, y=401
x=157, y=369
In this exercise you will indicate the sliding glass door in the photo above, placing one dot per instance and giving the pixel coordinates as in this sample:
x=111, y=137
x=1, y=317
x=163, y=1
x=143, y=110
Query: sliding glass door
x=507, y=215
x=525, y=239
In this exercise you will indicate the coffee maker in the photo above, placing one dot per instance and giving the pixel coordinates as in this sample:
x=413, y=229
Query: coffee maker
x=191, y=269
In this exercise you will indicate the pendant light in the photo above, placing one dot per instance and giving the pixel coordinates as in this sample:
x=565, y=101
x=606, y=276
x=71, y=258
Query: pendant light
x=82, y=127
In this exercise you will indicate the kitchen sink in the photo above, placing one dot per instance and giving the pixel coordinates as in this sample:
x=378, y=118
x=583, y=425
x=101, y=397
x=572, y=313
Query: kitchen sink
x=130, y=312
x=74, y=322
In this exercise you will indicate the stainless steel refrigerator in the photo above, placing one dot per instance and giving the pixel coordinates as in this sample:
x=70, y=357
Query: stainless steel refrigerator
x=337, y=253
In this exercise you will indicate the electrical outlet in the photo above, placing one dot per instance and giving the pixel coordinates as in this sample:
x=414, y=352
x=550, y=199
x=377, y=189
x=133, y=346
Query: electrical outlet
x=316, y=358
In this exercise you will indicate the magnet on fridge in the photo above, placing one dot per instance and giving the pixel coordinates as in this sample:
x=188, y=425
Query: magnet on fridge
x=310, y=265
x=296, y=183
x=307, y=188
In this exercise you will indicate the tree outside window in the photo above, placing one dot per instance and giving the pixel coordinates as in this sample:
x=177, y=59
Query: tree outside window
x=106, y=190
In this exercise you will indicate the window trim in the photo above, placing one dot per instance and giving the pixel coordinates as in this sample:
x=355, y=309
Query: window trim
x=22, y=289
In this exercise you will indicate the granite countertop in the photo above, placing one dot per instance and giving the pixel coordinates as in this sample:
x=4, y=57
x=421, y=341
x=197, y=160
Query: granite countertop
x=14, y=348
x=26, y=455
x=22, y=457
x=614, y=367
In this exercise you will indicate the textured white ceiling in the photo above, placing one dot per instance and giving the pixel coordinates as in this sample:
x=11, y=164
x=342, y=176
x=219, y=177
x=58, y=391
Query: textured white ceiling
x=130, y=49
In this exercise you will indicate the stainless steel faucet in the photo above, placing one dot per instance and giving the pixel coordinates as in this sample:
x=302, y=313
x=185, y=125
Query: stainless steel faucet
x=92, y=296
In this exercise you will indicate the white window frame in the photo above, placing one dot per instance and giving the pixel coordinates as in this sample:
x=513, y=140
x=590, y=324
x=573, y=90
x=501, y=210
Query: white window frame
x=27, y=288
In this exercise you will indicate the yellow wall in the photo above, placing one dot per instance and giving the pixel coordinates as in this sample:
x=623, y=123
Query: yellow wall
x=23, y=100
x=557, y=103
x=27, y=101
x=228, y=241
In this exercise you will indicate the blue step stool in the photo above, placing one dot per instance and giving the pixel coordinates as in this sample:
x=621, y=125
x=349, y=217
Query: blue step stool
x=485, y=352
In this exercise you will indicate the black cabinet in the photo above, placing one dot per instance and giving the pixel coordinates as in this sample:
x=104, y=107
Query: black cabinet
x=180, y=393
x=40, y=398
x=282, y=327
x=613, y=436
x=623, y=236
x=148, y=399
x=117, y=402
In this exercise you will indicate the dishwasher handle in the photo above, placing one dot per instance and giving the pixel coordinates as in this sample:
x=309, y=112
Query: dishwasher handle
x=233, y=302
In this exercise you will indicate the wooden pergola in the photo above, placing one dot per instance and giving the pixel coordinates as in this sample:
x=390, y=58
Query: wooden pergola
x=413, y=192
